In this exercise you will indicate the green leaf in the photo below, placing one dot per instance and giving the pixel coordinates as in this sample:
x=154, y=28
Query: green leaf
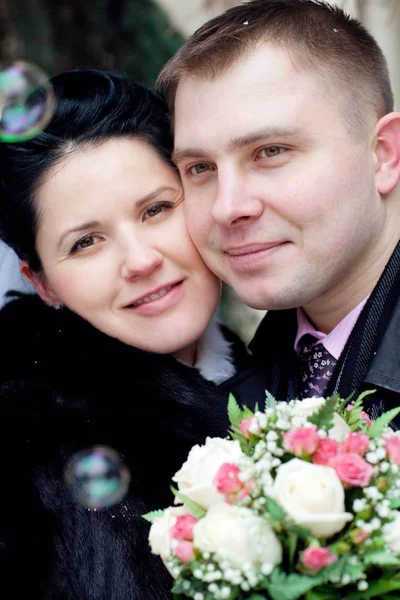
x=196, y=510
x=376, y=589
x=334, y=570
x=364, y=395
x=395, y=503
x=301, y=532
x=378, y=426
x=292, y=545
x=256, y=597
x=323, y=416
x=290, y=587
x=275, y=511
x=235, y=413
x=153, y=515
x=270, y=401
x=381, y=558
x=321, y=594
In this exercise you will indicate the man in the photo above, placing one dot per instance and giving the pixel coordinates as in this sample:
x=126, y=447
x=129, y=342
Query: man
x=289, y=152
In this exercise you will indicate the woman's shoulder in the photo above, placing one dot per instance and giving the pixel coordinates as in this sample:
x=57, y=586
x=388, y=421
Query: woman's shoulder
x=248, y=382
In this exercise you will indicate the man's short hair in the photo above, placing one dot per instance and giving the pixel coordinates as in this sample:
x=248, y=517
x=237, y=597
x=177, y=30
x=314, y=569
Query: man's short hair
x=322, y=37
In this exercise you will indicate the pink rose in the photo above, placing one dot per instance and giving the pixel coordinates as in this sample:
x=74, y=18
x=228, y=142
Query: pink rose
x=316, y=558
x=392, y=443
x=302, y=441
x=352, y=470
x=326, y=450
x=228, y=483
x=184, y=551
x=245, y=425
x=226, y=480
x=356, y=442
x=183, y=527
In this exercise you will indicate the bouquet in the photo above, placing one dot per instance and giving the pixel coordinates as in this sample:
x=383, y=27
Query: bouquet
x=301, y=502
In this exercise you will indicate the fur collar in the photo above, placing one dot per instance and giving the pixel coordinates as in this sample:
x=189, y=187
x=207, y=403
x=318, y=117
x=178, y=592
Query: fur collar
x=215, y=355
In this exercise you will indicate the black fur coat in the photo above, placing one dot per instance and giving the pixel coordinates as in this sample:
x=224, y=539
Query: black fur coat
x=64, y=387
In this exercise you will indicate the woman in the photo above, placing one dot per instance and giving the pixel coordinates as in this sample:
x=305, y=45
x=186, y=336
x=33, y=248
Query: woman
x=93, y=207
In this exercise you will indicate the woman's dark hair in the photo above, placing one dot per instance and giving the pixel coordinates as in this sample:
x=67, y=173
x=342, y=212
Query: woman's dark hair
x=91, y=106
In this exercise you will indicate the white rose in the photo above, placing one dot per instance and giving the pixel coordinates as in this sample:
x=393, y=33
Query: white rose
x=303, y=409
x=195, y=478
x=312, y=495
x=340, y=429
x=391, y=534
x=237, y=535
x=160, y=539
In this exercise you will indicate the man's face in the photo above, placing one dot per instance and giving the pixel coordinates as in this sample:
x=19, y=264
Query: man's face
x=280, y=199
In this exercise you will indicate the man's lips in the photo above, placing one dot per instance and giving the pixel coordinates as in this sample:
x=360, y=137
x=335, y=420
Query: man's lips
x=251, y=248
x=253, y=256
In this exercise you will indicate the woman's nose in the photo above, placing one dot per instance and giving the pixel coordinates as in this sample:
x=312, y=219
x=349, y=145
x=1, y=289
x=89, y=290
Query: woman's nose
x=139, y=260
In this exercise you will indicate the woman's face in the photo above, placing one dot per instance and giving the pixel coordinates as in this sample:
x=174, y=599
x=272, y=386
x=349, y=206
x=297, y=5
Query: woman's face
x=115, y=249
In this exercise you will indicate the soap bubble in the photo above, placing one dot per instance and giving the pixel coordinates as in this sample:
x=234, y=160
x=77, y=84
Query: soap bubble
x=26, y=102
x=97, y=477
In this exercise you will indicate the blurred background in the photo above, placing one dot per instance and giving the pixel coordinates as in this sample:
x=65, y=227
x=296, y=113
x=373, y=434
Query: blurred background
x=136, y=37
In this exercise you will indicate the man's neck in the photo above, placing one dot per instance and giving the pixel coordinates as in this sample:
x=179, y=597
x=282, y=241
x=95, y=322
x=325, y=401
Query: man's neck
x=333, y=306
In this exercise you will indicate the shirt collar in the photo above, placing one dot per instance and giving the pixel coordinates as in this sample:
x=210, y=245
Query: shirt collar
x=334, y=341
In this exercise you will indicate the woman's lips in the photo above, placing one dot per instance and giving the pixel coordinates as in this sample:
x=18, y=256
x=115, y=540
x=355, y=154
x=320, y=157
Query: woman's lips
x=170, y=295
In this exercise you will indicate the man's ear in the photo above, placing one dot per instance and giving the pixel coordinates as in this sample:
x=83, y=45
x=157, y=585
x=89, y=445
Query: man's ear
x=387, y=152
x=40, y=284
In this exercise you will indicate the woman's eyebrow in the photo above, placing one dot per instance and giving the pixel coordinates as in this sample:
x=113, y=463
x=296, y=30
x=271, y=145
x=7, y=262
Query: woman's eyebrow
x=94, y=224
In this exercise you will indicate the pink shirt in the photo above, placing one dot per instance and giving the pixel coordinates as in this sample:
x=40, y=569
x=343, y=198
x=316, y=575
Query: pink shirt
x=334, y=341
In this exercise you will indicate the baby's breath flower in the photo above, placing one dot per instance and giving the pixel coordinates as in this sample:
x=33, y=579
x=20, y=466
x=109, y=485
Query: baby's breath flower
x=359, y=504
x=372, y=457
x=383, y=511
x=266, y=569
x=381, y=453
x=362, y=585
x=373, y=493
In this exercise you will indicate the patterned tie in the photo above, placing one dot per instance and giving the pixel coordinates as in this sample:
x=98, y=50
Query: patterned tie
x=316, y=368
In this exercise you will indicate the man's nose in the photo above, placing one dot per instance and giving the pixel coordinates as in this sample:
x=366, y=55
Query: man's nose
x=234, y=204
x=139, y=258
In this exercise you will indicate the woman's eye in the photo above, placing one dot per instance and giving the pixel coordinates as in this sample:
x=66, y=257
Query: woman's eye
x=86, y=242
x=156, y=209
x=271, y=151
x=199, y=169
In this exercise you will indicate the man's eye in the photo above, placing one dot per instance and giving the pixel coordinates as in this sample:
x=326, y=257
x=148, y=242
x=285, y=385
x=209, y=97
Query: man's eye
x=271, y=151
x=199, y=169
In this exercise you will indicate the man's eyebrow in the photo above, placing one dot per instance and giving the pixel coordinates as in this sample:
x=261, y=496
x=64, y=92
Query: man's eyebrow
x=276, y=133
x=238, y=143
x=182, y=154
x=94, y=224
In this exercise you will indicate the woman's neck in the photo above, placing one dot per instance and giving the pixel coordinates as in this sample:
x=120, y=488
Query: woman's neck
x=187, y=354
